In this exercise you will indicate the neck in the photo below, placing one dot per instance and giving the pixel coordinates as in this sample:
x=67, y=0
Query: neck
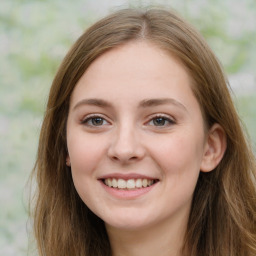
x=165, y=239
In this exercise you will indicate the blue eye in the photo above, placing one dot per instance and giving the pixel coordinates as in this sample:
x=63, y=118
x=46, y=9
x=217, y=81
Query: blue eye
x=94, y=121
x=161, y=121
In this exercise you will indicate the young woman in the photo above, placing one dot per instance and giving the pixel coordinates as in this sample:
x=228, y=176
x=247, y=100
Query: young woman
x=141, y=151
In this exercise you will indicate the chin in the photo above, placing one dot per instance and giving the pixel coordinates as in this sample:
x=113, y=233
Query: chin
x=129, y=223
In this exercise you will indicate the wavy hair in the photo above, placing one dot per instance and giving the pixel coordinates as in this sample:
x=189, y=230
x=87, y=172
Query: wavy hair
x=222, y=219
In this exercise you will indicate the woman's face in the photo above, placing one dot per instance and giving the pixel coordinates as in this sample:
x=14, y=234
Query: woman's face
x=135, y=137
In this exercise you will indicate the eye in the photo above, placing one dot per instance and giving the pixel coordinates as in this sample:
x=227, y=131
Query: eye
x=161, y=121
x=94, y=121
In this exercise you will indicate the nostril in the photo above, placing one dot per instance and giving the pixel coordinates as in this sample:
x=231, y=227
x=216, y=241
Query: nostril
x=125, y=152
x=115, y=158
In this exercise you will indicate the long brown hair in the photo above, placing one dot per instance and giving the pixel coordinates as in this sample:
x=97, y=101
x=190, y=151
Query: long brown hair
x=222, y=220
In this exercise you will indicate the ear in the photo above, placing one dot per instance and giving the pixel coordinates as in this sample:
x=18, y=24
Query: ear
x=68, y=161
x=215, y=147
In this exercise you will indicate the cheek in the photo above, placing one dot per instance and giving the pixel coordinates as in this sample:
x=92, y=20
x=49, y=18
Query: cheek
x=85, y=153
x=181, y=154
x=85, y=156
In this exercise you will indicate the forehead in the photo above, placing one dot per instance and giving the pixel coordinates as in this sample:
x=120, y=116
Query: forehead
x=136, y=65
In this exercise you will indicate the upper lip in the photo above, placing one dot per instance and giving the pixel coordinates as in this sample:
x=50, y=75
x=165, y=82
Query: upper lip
x=126, y=176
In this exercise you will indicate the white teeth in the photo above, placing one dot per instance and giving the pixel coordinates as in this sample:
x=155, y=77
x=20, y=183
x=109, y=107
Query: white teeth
x=144, y=183
x=138, y=183
x=128, y=184
x=114, y=183
x=109, y=182
x=121, y=183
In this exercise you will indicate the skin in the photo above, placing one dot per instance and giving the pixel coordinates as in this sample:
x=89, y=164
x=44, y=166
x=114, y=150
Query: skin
x=133, y=113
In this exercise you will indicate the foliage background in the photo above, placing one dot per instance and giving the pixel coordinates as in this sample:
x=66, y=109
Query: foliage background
x=34, y=37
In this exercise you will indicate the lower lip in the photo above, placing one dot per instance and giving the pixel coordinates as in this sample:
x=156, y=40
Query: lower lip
x=128, y=194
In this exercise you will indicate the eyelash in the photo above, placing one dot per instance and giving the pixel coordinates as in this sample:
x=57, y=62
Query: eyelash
x=164, y=118
x=88, y=121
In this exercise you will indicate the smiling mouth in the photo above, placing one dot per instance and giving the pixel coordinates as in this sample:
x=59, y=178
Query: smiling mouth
x=130, y=184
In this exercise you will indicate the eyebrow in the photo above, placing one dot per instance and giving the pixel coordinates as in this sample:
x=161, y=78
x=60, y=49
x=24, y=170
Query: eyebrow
x=144, y=103
x=161, y=101
x=94, y=102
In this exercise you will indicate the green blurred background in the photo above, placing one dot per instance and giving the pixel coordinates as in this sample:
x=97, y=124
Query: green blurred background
x=34, y=37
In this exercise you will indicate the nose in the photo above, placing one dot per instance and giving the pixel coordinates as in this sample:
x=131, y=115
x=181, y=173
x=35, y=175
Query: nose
x=126, y=146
